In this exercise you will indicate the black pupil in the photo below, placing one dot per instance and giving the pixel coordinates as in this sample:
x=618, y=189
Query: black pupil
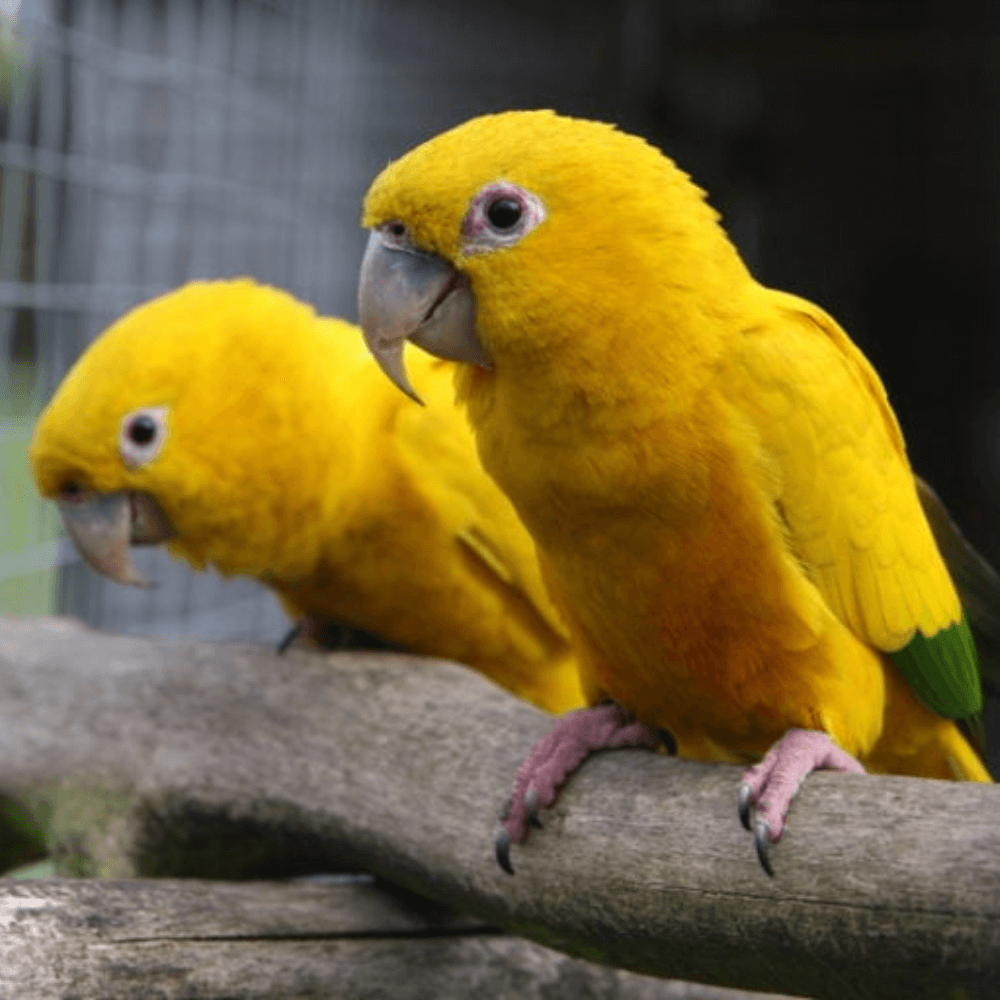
x=397, y=229
x=142, y=430
x=504, y=213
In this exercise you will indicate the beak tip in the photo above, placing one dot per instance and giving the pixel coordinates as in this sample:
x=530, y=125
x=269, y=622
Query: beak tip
x=388, y=354
x=407, y=389
x=100, y=529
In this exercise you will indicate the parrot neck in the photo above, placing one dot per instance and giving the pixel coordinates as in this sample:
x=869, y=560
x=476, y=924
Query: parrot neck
x=272, y=506
x=605, y=404
x=586, y=372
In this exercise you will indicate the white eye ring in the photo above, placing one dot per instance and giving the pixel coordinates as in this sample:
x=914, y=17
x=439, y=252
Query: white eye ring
x=482, y=229
x=142, y=436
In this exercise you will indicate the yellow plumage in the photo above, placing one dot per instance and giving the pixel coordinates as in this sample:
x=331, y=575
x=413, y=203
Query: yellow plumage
x=717, y=485
x=290, y=459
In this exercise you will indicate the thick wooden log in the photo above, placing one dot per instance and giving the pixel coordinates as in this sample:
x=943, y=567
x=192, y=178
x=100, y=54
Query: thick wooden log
x=254, y=941
x=885, y=887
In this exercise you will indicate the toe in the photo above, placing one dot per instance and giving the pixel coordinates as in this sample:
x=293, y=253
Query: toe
x=531, y=807
x=768, y=788
x=554, y=758
x=516, y=824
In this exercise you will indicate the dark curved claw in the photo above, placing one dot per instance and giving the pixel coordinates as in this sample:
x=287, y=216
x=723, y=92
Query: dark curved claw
x=668, y=741
x=290, y=636
x=502, y=844
x=531, y=805
x=743, y=804
x=762, y=841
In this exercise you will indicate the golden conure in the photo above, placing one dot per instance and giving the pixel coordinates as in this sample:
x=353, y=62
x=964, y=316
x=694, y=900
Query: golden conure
x=229, y=420
x=717, y=485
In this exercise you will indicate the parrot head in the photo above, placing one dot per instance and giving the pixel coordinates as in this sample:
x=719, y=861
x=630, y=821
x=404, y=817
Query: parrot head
x=512, y=232
x=177, y=423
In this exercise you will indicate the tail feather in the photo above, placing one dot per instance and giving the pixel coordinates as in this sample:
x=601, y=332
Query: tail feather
x=977, y=582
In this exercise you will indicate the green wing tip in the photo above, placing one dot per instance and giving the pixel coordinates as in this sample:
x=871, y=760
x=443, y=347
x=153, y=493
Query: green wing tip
x=943, y=670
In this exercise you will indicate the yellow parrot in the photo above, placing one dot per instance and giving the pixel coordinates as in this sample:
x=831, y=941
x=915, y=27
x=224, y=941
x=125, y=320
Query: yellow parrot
x=718, y=487
x=229, y=421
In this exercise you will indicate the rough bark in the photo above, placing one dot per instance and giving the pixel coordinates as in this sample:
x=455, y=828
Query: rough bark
x=249, y=941
x=204, y=760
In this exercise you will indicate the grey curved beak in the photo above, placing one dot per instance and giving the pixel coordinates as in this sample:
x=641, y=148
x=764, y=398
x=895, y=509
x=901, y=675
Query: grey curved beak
x=103, y=526
x=407, y=294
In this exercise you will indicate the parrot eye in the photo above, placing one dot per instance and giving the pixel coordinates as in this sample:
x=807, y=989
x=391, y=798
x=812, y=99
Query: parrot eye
x=504, y=213
x=500, y=215
x=142, y=435
x=142, y=430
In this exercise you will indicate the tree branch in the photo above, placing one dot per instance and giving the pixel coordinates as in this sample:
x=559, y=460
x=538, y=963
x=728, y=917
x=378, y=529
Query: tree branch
x=256, y=940
x=885, y=887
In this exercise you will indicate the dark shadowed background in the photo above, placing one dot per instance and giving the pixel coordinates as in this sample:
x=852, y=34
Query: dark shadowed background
x=852, y=148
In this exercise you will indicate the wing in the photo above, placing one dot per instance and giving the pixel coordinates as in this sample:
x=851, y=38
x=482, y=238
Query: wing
x=847, y=496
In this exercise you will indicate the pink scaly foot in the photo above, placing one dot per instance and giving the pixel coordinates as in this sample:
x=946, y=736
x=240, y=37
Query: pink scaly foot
x=769, y=787
x=555, y=757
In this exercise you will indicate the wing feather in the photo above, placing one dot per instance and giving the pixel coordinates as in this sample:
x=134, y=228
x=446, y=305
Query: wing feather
x=849, y=498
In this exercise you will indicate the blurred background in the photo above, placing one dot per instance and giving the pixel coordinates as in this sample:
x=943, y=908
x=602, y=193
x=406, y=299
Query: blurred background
x=853, y=148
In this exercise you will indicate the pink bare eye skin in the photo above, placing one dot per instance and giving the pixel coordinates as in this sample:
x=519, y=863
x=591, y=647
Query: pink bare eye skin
x=480, y=235
x=477, y=220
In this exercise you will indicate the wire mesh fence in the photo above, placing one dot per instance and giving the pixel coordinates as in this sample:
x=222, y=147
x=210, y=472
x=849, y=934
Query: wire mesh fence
x=148, y=143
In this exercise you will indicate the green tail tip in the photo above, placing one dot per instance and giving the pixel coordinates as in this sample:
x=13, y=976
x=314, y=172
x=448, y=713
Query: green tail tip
x=943, y=670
